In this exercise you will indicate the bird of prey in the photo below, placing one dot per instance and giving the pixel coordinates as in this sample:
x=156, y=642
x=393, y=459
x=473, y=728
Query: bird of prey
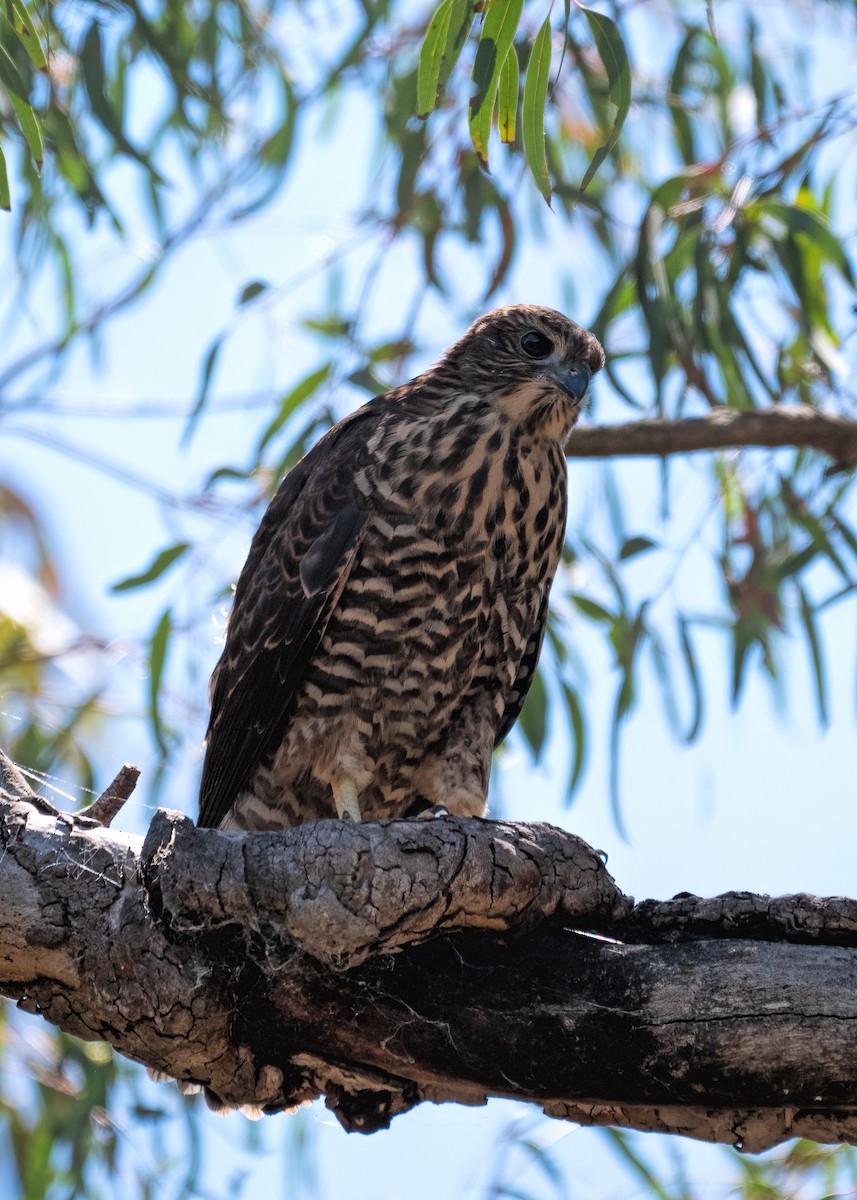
x=387, y=623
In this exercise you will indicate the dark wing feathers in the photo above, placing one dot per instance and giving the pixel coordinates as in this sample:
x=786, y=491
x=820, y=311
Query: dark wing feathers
x=298, y=563
x=526, y=672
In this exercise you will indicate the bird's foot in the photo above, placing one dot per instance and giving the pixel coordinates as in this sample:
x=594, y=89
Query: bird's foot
x=345, y=799
x=433, y=810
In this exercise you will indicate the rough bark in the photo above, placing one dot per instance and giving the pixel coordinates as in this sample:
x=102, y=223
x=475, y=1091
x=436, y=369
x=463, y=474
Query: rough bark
x=778, y=425
x=390, y=963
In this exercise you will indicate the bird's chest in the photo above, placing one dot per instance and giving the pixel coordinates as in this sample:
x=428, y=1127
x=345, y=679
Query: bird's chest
x=456, y=562
x=524, y=519
x=486, y=496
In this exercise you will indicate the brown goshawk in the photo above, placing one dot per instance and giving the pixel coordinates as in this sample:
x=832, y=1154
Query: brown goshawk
x=387, y=622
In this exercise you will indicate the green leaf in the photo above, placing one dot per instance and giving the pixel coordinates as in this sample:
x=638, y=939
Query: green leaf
x=545, y=1162
x=291, y=401
x=10, y=76
x=95, y=82
x=845, y=532
x=441, y=48
x=619, y=710
x=157, y=660
x=507, y=97
x=368, y=380
x=578, y=728
x=635, y=545
x=431, y=59
x=313, y=428
x=30, y=33
x=611, y=49
x=814, y=526
x=678, y=106
x=743, y=639
x=19, y=98
x=815, y=654
x=694, y=677
x=661, y=662
x=591, y=609
x=158, y=566
x=251, y=290
x=798, y=559
x=533, y=720
x=498, y=32
x=5, y=196
x=227, y=473
x=387, y=351
x=331, y=327
x=811, y=225
x=204, y=384
x=92, y=62
x=459, y=27
x=30, y=128
x=533, y=109
x=637, y=1166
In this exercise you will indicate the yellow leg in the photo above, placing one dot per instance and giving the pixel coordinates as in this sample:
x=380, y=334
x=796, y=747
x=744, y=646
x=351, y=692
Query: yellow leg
x=345, y=799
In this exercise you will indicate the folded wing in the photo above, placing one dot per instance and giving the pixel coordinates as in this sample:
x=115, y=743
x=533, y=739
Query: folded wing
x=298, y=563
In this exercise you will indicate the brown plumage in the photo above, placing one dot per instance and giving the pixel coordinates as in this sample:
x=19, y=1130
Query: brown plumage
x=388, y=620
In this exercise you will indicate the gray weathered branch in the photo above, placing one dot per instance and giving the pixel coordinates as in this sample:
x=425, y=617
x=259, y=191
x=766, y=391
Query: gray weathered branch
x=390, y=963
x=778, y=425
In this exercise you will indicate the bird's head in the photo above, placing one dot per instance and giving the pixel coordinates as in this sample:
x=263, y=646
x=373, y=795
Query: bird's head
x=533, y=362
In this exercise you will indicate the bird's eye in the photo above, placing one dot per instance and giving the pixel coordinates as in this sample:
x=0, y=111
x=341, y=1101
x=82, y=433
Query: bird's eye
x=535, y=344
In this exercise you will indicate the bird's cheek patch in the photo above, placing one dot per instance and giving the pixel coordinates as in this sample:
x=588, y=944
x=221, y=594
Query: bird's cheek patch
x=518, y=405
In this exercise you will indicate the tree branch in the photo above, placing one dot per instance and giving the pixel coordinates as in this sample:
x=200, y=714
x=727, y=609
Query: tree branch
x=778, y=425
x=388, y=963
x=111, y=801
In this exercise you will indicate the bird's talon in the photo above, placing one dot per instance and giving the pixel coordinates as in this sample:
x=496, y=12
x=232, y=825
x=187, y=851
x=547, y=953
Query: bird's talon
x=345, y=799
x=432, y=812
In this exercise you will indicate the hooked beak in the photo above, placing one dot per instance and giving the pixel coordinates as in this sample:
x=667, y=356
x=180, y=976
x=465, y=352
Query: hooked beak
x=574, y=380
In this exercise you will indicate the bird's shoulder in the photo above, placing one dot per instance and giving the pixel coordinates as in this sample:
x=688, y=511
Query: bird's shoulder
x=315, y=489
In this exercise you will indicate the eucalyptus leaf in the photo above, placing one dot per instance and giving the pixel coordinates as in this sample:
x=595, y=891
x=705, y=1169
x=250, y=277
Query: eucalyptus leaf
x=808, y=224
x=158, y=649
x=533, y=108
x=533, y=719
x=815, y=653
x=507, y=97
x=159, y=565
x=30, y=127
x=633, y=546
x=495, y=41
x=96, y=83
x=5, y=197
x=611, y=50
x=30, y=33
x=251, y=291
x=461, y=18
x=298, y=395
x=208, y=367
x=431, y=59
